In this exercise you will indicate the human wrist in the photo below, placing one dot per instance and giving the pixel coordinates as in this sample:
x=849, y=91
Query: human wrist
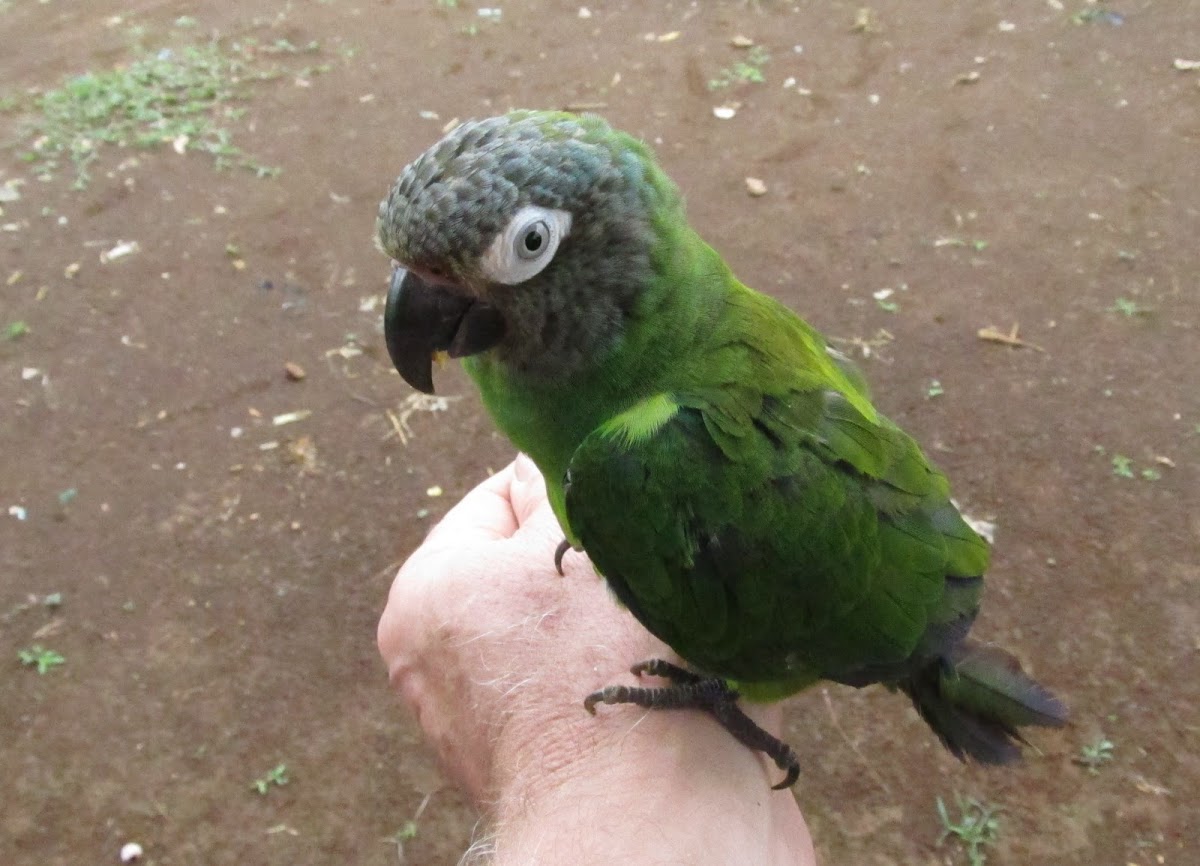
x=632, y=784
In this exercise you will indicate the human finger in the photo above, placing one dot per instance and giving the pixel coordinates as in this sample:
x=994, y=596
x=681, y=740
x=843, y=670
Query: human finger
x=530, y=505
x=484, y=514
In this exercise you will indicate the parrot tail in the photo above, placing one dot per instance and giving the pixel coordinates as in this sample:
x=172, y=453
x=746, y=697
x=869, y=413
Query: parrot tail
x=976, y=697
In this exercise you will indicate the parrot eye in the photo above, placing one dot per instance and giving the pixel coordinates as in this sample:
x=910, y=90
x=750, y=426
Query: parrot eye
x=526, y=245
x=533, y=240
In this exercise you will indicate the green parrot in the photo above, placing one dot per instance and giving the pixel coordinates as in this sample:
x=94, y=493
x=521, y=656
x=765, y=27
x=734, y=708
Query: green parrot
x=722, y=467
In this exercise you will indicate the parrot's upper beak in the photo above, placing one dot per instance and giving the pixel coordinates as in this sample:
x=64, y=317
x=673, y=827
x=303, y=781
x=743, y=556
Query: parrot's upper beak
x=422, y=319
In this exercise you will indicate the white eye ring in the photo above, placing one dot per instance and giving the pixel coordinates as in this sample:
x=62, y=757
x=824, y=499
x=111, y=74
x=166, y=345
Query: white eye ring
x=526, y=245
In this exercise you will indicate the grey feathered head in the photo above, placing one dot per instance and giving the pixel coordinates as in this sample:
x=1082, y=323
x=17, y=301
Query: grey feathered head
x=543, y=220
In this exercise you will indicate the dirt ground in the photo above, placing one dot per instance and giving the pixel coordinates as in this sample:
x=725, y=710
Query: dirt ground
x=992, y=164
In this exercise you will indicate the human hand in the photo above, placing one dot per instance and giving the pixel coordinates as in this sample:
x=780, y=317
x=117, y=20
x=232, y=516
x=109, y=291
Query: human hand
x=494, y=652
x=486, y=642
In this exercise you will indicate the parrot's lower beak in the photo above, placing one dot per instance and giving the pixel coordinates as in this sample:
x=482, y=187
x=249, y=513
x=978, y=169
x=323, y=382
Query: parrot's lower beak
x=422, y=319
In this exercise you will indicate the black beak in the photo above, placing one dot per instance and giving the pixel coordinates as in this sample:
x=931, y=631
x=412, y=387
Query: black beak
x=421, y=319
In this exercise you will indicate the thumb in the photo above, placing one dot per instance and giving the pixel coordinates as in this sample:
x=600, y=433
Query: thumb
x=529, y=502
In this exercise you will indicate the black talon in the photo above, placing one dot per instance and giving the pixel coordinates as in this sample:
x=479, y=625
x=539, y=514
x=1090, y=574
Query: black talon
x=689, y=690
x=747, y=732
x=666, y=670
x=563, y=547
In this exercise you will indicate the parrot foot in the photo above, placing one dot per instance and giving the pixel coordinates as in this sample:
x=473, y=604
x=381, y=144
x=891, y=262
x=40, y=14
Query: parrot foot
x=559, y=553
x=689, y=690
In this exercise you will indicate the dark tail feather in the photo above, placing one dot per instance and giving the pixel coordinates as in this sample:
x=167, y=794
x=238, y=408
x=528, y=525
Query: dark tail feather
x=975, y=699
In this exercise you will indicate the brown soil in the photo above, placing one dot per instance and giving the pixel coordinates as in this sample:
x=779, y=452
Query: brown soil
x=219, y=599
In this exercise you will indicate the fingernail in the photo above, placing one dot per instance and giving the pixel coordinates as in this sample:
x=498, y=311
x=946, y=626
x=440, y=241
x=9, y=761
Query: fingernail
x=524, y=468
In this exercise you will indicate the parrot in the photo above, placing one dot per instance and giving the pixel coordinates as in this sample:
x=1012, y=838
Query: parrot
x=723, y=468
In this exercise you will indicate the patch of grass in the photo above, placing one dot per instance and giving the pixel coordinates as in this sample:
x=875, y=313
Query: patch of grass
x=277, y=776
x=186, y=96
x=286, y=46
x=37, y=656
x=976, y=828
x=748, y=71
x=1096, y=754
x=15, y=330
x=405, y=833
x=1097, y=14
x=1129, y=308
x=1122, y=466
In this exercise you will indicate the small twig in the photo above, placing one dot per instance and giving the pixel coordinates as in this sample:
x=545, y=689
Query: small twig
x=398, y=427
x=30, y=602
x=364, y=400
x=867, y=347
x=413, y=404
x=993, y=334
x=421, y=809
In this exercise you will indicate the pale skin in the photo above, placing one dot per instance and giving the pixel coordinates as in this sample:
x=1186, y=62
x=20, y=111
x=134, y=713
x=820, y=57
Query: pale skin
x=493, y=651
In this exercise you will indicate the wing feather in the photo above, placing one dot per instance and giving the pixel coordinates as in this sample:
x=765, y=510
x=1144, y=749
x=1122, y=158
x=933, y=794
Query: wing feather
x=761, y=535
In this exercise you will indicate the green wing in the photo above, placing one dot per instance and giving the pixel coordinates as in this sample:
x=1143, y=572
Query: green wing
x=775, y=538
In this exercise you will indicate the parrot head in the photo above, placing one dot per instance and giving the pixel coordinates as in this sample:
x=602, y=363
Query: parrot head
x=529, y=235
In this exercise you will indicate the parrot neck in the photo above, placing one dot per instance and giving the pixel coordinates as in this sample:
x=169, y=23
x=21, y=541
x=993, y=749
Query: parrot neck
x=663, y=333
